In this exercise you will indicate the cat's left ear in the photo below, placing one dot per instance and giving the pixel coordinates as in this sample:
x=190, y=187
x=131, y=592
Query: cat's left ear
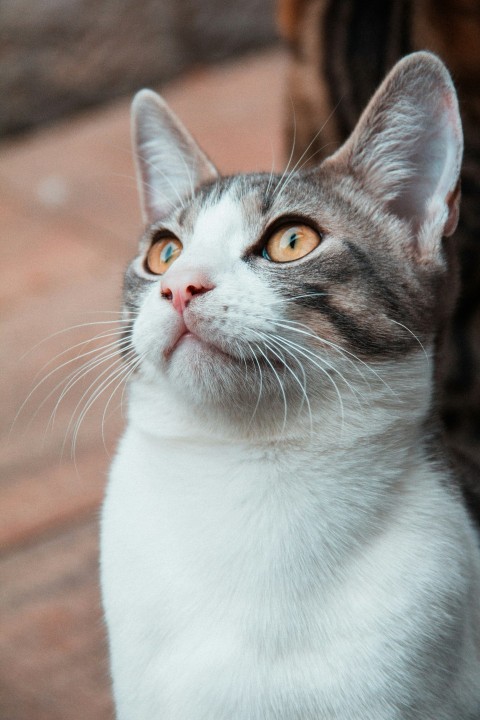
x=170, y=164
x=407, y=147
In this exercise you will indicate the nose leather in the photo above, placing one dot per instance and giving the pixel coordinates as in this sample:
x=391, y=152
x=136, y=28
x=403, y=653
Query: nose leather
x=180, y=287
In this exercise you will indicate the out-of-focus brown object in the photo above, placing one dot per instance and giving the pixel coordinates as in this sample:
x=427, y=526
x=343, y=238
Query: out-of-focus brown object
x=60, y=56
x=339, y=52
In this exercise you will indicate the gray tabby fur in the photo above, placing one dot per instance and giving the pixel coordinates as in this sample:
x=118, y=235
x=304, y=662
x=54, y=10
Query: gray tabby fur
x=281, y=537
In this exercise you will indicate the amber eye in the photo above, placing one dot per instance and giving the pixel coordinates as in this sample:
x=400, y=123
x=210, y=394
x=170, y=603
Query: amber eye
x=291, y=243
x=162, y=254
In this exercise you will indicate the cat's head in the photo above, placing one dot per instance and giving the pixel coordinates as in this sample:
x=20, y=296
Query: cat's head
x=264, y=296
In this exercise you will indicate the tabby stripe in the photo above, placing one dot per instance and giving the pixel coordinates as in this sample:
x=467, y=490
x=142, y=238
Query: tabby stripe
x=337, y=18
x=362, y=39
x=308, y=295
x=381, y=289
x=362, y=338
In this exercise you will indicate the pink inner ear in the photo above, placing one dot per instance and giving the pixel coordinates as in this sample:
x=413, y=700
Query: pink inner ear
x=407, y=146
x=447, y=146
x=434, y=161
x=170, y=165
x=453, y=204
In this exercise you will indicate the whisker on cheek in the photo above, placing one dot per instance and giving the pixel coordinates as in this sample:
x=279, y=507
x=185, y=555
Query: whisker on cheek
x=271, y=342
x=89, y=397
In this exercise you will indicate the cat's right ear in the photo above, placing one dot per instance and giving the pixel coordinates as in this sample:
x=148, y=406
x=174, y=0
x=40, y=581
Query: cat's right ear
x=170, y=165
x=407, y=148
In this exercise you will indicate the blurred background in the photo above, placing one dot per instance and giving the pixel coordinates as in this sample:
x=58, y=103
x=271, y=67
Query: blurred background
x=69, y=222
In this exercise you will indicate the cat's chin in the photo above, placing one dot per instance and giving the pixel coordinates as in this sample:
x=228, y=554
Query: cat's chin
x=193, y=361
x=220, y=388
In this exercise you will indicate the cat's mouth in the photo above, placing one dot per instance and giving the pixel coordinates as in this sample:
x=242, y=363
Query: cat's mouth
x=187, y=337
x=184, y=335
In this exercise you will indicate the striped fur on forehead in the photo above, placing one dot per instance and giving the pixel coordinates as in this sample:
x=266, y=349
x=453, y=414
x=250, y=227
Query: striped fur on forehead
x=250, y=191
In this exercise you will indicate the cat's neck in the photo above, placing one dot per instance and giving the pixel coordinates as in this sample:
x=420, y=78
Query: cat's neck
x=386, y=423
x=351, y=474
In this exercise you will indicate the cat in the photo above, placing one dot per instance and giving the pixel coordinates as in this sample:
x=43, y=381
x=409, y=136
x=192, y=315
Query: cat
x=338, y=51
x=282, y=537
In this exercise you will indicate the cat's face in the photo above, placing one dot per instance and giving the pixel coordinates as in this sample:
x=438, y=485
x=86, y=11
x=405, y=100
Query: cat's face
x=256, y=294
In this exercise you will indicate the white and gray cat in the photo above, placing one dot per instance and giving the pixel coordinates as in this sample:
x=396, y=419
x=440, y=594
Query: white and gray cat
x=281, y=537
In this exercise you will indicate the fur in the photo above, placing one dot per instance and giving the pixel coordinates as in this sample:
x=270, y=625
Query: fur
x=338, y=52
x=281, y=539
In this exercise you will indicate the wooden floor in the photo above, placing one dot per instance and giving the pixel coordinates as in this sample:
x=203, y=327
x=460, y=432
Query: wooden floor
x=69, y=220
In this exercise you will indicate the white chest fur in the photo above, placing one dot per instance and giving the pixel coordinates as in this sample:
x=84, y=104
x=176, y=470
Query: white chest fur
x=331, y=574
x=246, y=581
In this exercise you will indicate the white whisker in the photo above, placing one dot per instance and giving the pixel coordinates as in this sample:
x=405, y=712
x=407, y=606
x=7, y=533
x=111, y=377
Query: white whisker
x=313, y=358
x=289, y=325
x=284, y=301
x=279, y=189
x=68, y=329
x=97, y=391
x=291, y=151
x=285, y=405
x=272, y=171
x=113, y=333
x=81, y=373
x=272, y=339
x=253, y=355
x=101, y=350
x=414, y=336
x=130, y=369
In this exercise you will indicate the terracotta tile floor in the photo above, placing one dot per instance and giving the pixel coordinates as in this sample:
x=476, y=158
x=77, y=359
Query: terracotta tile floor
x=69, y=220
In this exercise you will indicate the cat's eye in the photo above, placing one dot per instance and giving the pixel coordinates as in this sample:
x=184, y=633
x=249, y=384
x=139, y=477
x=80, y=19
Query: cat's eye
x=162, y=254
x=291, y=242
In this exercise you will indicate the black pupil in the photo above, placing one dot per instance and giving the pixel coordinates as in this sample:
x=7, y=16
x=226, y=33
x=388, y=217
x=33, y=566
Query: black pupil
x=293, y=240
x=168, y=252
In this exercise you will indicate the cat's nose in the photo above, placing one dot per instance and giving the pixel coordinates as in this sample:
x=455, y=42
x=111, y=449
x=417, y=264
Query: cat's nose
x=181, y=287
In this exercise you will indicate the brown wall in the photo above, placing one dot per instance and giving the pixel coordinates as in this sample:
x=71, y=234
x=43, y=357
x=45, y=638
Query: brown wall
x=57, y=56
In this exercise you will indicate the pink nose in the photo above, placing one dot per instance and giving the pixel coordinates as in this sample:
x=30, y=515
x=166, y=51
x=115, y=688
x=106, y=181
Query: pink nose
x=180, y=287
